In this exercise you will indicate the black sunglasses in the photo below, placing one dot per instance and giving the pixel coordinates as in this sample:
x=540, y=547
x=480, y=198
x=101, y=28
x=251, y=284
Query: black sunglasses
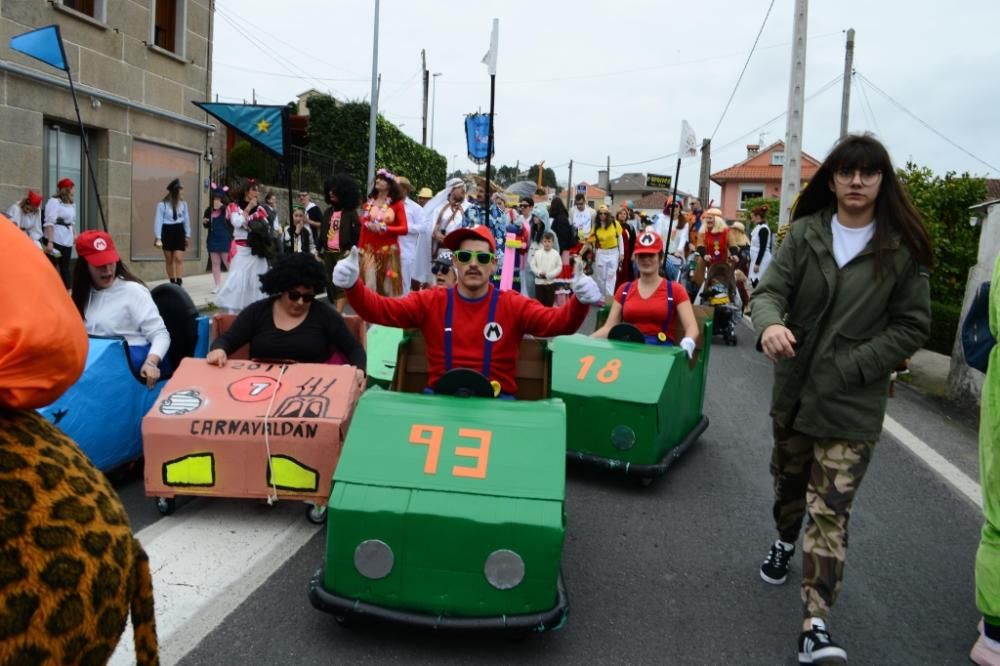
x=525, y=206
x=465, y=256
x=296, y=296
x=439, y=269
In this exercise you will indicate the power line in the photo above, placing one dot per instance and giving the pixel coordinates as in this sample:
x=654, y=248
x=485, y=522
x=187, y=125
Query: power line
x=744, y=70
x=279, y=74
x=905, y=110
x=276, y=57
x=871, y=112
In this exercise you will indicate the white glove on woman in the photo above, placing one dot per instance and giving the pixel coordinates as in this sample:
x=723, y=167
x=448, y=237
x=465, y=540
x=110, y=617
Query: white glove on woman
x=346, y=272
x=687, y=344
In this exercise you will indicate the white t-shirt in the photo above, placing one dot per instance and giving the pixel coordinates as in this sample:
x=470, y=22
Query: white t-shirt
x=848, y=241
x=62, y=218
x=583, y=220
x=127, y=309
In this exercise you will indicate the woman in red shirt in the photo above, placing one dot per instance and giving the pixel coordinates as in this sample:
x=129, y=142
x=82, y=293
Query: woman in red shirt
x=383, y=221
x=652, y=303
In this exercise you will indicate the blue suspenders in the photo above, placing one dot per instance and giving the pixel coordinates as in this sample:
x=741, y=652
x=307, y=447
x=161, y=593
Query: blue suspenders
x=670, y=306
x=448, y=334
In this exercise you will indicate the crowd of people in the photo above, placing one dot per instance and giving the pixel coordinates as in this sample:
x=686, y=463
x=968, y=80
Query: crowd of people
x=475, y=277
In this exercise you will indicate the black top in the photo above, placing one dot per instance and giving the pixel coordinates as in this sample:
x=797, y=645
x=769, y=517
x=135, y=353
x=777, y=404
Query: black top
x=565, y=233
x=309, y=342
x=765, y=234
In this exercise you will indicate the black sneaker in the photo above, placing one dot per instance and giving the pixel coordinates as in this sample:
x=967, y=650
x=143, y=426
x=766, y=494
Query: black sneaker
x=816, y=646
x=775, y=567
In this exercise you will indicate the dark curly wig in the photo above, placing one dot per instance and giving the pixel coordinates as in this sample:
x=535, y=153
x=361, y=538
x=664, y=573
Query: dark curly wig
x=294, y=270
x=342, y=192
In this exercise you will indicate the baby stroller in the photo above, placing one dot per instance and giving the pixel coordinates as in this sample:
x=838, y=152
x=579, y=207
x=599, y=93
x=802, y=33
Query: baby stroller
x=720, y=292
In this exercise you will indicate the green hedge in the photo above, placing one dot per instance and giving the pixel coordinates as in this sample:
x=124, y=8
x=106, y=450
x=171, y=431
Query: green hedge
x=944, y=326
x=341, y=130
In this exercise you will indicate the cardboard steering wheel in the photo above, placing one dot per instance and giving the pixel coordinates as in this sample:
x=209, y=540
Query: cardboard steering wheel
x=464, y=383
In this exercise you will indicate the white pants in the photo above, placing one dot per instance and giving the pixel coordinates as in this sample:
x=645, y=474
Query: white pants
x=606, y=271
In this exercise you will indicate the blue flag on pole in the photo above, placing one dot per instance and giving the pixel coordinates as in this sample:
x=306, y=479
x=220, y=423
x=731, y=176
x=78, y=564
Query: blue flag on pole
x=43, y=44
x=477, y=134
x=264, y=125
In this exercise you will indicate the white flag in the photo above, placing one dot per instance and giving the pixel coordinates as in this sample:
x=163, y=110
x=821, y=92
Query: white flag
x=490, y=59
x=689, y=142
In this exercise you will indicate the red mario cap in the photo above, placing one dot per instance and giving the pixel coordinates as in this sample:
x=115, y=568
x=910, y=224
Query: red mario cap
x=65, y=184
x=34, y=198
x=97, y=248
x=648, y=242
x=455, y=238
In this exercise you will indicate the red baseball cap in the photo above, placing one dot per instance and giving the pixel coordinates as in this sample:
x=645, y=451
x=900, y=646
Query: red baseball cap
x=455, y=238
x=648, y=242
x=34, y=198
x=65, y=184
x=97, y=248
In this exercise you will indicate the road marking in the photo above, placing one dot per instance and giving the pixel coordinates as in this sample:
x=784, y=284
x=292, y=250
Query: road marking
x=938, y=463
x=206, y=560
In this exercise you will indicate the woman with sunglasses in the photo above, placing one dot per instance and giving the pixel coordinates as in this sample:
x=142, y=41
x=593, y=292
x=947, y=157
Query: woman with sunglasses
x=606, y=237
x=290, y=325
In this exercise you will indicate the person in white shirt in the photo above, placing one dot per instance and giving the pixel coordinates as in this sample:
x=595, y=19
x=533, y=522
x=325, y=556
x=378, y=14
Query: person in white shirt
x=582, y=218
x=172, y=229
x=413, y=266
x=27, y=215
x=113, y=302
x=60, y=227
x=546, y=265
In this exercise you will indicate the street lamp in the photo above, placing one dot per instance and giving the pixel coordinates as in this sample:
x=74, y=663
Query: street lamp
x=433, y=102
x=454, y=162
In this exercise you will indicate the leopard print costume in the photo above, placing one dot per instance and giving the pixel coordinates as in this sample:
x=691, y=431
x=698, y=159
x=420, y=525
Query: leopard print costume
x=70, y=569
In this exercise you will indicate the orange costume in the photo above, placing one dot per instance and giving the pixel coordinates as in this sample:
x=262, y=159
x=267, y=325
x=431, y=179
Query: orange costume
x=716, y=246
x=380, y=264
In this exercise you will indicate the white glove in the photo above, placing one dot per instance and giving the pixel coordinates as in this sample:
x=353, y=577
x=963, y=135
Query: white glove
x=586, y=290
x=687, y=344
x=346, y=272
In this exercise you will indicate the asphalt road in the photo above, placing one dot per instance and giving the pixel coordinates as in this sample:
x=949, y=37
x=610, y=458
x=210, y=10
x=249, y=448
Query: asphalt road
x=668, y=574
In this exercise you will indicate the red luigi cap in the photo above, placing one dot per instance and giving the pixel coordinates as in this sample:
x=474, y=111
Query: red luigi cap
x=34, y=198
x=97, y=248
x=455, y=238
x=648, y=242
x=65, y=183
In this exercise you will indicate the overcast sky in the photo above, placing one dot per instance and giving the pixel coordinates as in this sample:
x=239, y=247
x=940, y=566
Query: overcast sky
x=584, y=80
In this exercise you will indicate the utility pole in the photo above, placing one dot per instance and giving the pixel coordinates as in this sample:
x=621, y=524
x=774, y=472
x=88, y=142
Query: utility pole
x=434, y=92
x=373, y=112
x=706, y=171
x=253, y=95
x=427, y=85
x=569, y=186
x=608, y=195
x=845, y=101
x=791, y=172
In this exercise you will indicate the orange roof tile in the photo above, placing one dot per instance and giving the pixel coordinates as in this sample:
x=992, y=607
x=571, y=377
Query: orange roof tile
x=772, y=172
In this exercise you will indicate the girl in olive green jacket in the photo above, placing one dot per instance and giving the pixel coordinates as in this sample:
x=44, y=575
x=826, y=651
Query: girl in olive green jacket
x=844, y=301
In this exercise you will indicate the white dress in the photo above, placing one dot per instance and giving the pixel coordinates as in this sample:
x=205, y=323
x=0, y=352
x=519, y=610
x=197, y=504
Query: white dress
x=242, y=286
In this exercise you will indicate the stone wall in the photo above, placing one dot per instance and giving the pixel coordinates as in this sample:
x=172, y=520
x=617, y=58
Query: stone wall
x=113, y=57
x=965, y=385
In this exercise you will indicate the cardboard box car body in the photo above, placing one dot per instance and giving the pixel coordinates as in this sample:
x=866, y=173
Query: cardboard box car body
x=448, y=512
x=249, y=430
x=631, y=407
x=109, y=431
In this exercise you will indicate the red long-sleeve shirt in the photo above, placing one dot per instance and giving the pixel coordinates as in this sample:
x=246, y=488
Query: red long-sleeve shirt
x=516, y=315
x=376, y=240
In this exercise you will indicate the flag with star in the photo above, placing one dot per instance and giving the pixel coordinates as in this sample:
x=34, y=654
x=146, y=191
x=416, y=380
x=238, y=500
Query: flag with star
x=264, y=125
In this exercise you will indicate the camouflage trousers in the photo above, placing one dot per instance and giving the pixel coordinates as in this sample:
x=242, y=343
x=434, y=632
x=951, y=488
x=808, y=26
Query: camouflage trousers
x=818, y=477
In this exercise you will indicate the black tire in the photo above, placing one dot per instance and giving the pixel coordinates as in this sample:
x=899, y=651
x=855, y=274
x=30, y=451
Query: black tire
x=645, y=481
x=166, y=505
x=316, y=514
x=345, y=621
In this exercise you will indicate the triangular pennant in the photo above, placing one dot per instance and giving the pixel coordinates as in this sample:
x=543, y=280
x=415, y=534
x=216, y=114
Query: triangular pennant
x=43, y=44
x=264, y=125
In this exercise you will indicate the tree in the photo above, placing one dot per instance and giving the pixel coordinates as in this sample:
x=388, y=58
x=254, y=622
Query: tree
x=507, y=175
x=548, y=177
x=944, y=205
x=341, y=130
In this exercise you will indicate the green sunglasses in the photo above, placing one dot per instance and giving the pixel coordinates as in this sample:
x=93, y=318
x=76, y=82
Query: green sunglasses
x=465, y=256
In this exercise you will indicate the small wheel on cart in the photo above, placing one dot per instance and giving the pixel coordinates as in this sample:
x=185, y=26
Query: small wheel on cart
x=166, y=505
x=645, y=481
x=316, y=514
